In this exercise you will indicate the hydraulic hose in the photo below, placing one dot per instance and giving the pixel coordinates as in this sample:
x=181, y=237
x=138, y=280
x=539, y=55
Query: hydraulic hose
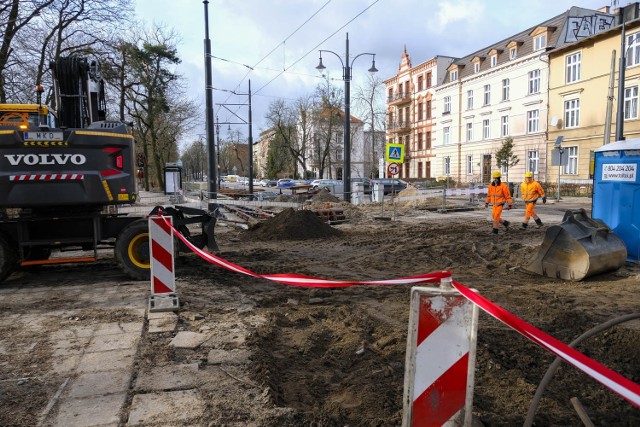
x=556, y=363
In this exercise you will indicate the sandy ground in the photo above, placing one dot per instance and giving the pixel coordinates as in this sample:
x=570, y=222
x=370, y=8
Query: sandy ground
x=335, y=357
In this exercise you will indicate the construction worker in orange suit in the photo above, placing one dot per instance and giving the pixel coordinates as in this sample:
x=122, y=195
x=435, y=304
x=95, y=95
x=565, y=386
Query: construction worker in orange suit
x=531, y=190
x=498, y=196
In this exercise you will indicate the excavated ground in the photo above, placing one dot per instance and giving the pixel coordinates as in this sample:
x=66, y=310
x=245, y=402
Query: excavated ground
x=335, y=357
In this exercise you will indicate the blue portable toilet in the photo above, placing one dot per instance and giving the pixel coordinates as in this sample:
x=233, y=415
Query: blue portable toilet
x=616, y=191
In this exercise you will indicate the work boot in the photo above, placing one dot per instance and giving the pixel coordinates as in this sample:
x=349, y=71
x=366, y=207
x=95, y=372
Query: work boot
x=539, y=222
x=524, y=225
x=506, y=223
x=495, y=231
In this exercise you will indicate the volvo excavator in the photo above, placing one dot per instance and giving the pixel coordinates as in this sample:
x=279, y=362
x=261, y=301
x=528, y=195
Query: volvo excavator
x=62, y=174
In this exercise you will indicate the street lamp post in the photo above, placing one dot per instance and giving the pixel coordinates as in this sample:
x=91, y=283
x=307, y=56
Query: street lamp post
x=346, y=77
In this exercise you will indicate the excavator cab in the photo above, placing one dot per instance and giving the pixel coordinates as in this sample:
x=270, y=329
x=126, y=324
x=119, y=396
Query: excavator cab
x=577, y=248
x=25, y=116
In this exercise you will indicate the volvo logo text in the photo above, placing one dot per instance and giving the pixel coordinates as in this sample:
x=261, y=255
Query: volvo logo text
x=45, y=159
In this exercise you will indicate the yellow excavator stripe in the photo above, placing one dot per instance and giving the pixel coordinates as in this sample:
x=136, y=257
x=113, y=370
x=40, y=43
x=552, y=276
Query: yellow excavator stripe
x=107, y=190
x=109, y=134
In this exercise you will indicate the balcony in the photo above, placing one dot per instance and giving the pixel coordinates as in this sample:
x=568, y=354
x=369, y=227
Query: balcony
x=399, y=98
x=399, y=126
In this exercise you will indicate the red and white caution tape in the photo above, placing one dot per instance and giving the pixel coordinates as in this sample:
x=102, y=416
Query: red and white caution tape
x=610, y=379
x=309, y=281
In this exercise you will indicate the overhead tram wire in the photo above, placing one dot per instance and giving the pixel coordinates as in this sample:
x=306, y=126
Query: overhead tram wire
x=277, y=46
x=318, y=45
x=306, y=54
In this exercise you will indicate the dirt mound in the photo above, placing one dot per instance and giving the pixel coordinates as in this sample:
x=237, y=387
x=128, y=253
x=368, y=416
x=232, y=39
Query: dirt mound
x=324, y=196
x=291, y=224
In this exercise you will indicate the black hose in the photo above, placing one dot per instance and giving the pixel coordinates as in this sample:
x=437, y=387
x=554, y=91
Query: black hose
x=556, y=363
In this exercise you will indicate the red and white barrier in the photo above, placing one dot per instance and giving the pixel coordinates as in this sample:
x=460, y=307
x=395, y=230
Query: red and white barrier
x=163, y=276
x=610, y=379
x=440, y=358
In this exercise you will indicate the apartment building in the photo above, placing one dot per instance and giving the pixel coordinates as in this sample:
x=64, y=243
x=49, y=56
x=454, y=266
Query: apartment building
x=479, y=100
x=326, y=149
x=582, y=102
x=410, y=106
x=501, y=91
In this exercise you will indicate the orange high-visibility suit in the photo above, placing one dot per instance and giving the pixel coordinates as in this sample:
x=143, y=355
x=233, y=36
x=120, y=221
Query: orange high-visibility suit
x=498, y=196
x=531, y=190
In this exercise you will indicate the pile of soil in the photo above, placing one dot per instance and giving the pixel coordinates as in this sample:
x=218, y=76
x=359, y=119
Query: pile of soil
x=324, y=196
x=291, y=224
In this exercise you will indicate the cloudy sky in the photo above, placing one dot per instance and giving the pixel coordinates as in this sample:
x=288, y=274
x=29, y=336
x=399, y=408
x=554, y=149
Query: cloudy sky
x=280, y=39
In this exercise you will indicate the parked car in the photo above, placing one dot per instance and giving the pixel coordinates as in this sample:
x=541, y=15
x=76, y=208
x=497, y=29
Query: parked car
x=318, y=184
x=391, y=185
x=264, y=182
x=285, y=183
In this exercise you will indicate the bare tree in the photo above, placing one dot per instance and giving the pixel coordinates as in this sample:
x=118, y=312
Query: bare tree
x=369, y=100
x=327, y=139
x=14, y=16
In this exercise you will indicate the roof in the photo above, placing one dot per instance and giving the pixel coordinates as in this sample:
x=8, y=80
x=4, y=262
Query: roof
x=627, y=144
x=523, y=40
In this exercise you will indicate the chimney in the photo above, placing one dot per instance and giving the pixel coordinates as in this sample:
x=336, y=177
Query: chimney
x=604, y=9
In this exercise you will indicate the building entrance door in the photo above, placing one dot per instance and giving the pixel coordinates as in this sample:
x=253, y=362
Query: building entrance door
x=486, y=168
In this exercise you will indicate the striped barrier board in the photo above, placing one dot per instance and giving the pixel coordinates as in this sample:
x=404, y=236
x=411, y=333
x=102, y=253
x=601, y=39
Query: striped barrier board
x=440, y=358
x=163, y=277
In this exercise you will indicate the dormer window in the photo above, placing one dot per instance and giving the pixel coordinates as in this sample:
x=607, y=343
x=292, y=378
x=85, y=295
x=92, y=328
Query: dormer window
x=493, y=56
x=513, y=48
x=541, y=36
x=454, y=75
x=477, y=60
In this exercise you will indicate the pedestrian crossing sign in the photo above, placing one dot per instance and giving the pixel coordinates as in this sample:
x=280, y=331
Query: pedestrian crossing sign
x=394, y=153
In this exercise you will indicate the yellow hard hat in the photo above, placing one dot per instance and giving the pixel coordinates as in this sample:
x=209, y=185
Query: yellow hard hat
x=528, y=174
x=496, y=174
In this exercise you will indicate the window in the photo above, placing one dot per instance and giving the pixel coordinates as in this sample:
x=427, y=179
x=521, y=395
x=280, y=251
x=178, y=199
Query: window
x=429, y=109
x=420, y=170
x=454, y=75
x=633, y=49
x=494, y=60
x=532, y=161
x=447, y=104
x=487, y=94
x=572, y=161
x=513, y=52
x=534, y=81
x=419, y=140
x=390, y=94
x=469, y=131
x=428, y=142
x=476, y=67
x=469, y=164
x=447, y=166
x=540, y=42
x=420, y=106
x=631, y=103
x=446, y=135
x=469, y=100
x=572, y=113
x=572, y=71
x=533, y=121
x=428, y=80
x=486, y=129
x=420, y=82
x=504, y=126
x=505, y=89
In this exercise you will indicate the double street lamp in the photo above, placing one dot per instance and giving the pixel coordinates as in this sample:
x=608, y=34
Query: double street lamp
x=346, y=77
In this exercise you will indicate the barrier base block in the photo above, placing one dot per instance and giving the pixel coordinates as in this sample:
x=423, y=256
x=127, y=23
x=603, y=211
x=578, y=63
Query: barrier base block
x=166, y=302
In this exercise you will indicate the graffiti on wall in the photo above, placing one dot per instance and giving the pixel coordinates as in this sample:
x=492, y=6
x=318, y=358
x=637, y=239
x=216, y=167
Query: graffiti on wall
x=579, y=27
